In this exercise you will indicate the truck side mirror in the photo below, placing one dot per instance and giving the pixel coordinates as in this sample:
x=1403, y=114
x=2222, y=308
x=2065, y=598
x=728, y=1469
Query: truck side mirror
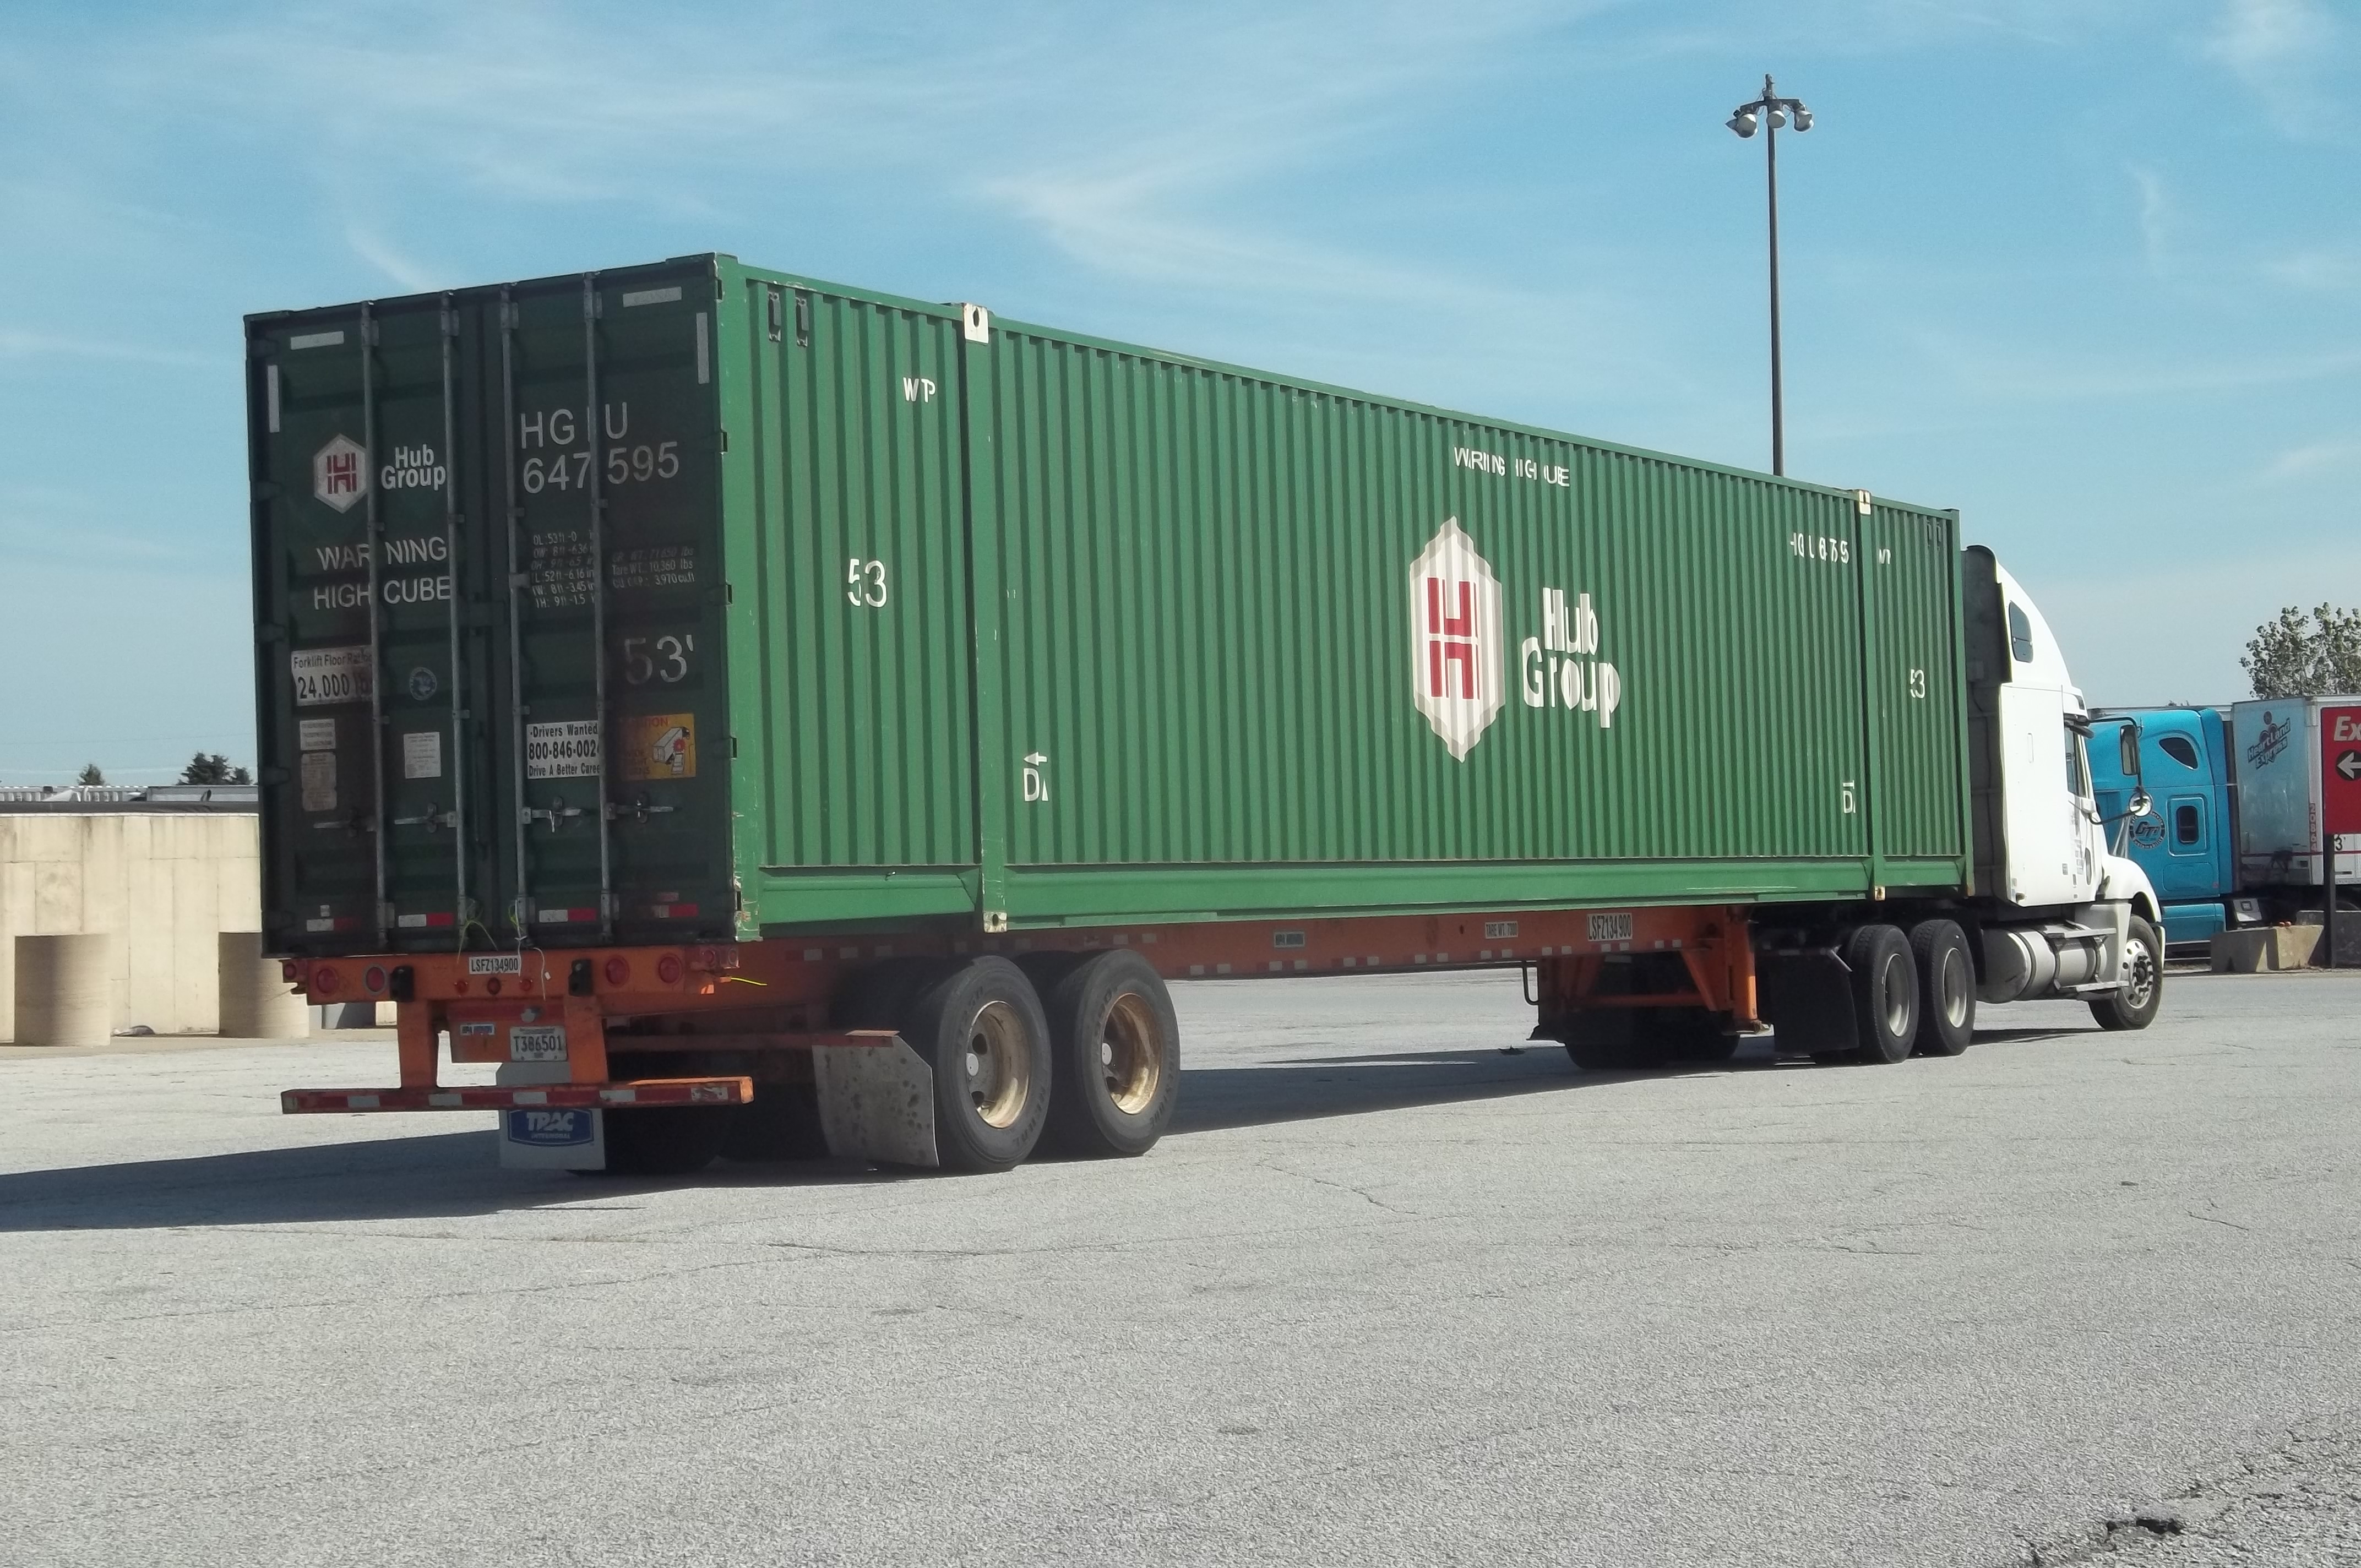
x=2128, y=738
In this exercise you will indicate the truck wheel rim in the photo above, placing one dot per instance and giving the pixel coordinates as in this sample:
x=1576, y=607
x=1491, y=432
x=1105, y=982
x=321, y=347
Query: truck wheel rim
x=1131, y=1056
x=1954, y=997
x=1897, y=997
x=999, y=1066
x=2143, y=976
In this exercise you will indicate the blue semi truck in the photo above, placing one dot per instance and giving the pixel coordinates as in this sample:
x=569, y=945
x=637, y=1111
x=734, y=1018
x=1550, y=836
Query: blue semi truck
x=2230, y=835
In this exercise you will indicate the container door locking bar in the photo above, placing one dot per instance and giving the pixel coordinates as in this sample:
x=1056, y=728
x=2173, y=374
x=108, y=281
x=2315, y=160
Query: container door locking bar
x=520, y=586
x=374, y=523
x=595, y=424
x=456, y=818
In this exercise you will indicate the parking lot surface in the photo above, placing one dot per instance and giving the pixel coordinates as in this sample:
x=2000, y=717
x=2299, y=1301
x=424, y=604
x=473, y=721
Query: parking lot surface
x=1387, y=1295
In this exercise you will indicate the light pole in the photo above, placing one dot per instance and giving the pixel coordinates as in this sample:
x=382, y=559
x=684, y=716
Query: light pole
x=1773, y=110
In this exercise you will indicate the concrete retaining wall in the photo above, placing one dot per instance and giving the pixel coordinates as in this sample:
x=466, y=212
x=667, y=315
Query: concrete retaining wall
x=164, y=885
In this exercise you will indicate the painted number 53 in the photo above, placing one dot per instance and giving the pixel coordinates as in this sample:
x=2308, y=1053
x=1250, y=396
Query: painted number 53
x=864, y=583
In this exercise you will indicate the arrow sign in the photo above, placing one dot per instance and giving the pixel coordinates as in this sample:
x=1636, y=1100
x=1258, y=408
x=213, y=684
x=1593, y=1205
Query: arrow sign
x=2348, y=765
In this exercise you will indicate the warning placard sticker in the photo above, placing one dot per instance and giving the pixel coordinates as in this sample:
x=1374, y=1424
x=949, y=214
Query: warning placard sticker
x=319, y=781
x=660, y=746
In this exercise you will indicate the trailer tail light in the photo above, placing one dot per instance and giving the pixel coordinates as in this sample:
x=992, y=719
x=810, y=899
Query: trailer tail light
x=324, y=981
x=668, y=969
x=290, y=973
x=619, y=971
x=373, y=980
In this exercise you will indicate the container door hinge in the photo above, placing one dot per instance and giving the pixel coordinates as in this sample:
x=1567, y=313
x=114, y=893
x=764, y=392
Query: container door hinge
x=803, y=319
x=776, y=313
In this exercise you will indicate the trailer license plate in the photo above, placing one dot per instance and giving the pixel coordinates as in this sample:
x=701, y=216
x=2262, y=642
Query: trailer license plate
x=1610, y=927
x=537, y=1042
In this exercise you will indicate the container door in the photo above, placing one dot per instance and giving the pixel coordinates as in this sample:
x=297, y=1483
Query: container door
x=614, y=767
x=371, y=669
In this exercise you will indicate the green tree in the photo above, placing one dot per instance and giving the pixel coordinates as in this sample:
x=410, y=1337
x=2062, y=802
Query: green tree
x=90, y=775
x=213, y=768
x=2296, y=656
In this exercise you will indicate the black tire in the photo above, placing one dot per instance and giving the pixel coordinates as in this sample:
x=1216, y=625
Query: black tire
x=981, y=1028
x=1687, y=1034
x=782, y=1122
x=668, y=1141
x=1610, y=1039
x=2136, y=1005
x=1947, y=988
x=1885, y=992
x=1114, y=1047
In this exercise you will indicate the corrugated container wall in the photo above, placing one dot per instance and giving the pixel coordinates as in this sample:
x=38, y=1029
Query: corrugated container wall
x=993, y=622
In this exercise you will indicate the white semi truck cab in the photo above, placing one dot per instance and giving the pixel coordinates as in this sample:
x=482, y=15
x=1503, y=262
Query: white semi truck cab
x=2059, y=915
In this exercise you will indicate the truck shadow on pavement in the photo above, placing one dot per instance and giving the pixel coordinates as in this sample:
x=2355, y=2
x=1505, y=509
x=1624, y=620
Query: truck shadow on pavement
x=457, y=1175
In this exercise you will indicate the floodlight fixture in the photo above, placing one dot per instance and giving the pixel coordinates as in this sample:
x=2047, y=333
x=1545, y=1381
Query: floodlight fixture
x=1775, y=112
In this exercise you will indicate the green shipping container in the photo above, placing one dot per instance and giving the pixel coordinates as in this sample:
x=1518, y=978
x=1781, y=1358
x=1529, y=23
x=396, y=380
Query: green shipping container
x=693, y=601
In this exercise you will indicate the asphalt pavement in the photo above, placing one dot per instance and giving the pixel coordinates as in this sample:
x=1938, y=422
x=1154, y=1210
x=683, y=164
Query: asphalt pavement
x=1385, y=1295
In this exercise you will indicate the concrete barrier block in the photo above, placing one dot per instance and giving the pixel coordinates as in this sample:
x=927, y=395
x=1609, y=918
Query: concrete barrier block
x=2239, y=952
x=65, y=991
x=2292, y=946
x=256, y=1004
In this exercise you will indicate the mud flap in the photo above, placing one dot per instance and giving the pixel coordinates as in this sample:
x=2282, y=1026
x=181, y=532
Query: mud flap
x=548, y=1139
x=1807, y=1001
x=876, y=1104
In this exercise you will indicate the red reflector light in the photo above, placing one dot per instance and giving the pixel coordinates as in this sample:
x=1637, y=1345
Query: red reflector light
x=373, y=979
x=618, y=971
x=290, y=971
x=668, y=969
x=324, y=981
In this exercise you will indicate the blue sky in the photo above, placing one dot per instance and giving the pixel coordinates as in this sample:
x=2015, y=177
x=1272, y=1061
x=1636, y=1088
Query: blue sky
x=2088, y=270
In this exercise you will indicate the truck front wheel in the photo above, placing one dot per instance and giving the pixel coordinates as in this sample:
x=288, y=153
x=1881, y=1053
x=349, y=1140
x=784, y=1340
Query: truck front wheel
x=2135, y=1006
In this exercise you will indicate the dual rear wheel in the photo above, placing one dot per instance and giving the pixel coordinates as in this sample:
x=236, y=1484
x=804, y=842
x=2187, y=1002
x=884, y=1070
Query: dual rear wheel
x=1076, y=1054
x=1911, y=994
x=1080, y=1055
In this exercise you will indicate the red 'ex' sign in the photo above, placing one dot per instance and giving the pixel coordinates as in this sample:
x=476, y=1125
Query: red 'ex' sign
x=2340, y=772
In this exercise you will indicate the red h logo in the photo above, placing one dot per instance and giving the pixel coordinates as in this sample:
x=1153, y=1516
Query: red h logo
x=1450, y=639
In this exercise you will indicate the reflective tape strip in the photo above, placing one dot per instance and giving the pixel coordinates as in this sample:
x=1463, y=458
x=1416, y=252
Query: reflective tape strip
x=642, y=1092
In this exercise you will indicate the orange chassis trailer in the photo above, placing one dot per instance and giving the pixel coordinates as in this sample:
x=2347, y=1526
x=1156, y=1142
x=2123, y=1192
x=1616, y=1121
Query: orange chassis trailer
x=775, y=996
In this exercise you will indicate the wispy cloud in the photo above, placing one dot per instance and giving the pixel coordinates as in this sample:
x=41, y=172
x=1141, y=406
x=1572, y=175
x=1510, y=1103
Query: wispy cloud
x=370, y=247
x=2315, y=457
x=2039, y=376
x=2279, y=49
x=16, y=343
x=2155, y=216
x=2318, y=268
